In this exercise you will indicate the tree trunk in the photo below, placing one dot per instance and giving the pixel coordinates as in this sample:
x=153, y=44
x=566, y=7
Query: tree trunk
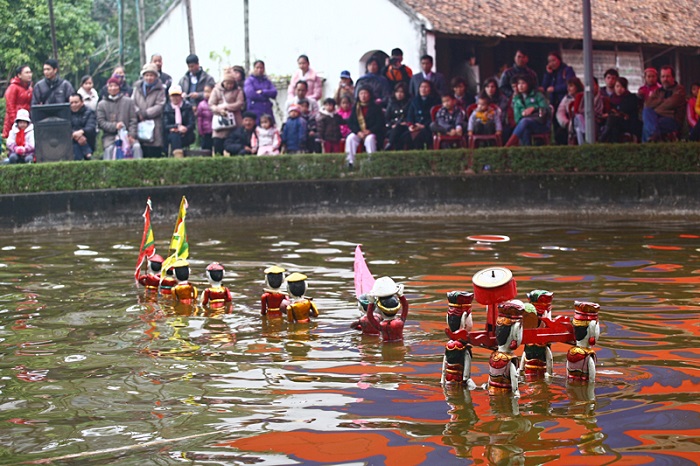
x=141, y=21
x=190, y=29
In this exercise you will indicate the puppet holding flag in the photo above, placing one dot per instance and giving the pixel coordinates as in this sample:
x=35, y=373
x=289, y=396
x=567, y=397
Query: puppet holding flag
x=147, y=251
x=179, y=247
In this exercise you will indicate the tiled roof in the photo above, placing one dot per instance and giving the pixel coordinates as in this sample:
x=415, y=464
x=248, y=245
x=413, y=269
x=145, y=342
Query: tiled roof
x=632, y=21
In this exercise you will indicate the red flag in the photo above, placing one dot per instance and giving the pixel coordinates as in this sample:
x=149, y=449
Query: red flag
x=364, y=281
x=148, y=244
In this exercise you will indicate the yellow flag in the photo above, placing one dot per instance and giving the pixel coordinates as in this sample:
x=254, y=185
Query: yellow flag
x=179, y=247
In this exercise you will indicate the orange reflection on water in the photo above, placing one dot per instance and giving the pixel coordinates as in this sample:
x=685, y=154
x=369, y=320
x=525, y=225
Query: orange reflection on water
x=333, y=447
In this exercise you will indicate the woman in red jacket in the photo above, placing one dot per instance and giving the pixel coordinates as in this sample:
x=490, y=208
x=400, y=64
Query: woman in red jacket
x=18, y=95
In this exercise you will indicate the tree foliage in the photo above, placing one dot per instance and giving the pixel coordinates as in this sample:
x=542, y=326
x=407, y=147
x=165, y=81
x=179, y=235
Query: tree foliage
x=86, y=35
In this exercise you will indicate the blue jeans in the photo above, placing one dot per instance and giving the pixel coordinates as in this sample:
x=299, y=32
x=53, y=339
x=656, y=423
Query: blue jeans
x=655, y=125
x=526, y=127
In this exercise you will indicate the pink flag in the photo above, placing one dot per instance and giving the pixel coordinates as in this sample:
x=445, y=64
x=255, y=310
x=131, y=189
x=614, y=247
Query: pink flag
x=364, y=281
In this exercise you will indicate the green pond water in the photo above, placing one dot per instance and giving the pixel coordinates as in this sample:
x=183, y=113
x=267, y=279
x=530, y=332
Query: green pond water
x=94, y=371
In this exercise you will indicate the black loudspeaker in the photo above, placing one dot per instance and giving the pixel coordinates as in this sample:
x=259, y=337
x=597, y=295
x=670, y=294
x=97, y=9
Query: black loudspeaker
x=52, y=132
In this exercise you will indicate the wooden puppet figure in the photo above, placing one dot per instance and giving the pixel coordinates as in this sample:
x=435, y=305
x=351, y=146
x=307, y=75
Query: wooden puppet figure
x=298, y=307
x=457, y=362
x=387, y=296
x=272, y=298
x=217, y=295
x=537, y=358
x=580, y=360
x=503, y=364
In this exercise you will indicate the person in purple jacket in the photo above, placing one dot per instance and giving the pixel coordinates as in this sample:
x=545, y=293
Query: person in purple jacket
x=259, y=91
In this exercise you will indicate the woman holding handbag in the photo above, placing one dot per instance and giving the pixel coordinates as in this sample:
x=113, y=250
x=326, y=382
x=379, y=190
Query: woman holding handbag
x=226, y=103
x=149, y=99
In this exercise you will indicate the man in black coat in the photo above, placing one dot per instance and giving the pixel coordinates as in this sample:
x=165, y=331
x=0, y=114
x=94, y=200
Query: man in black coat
x=52, y=89
x=238, y=141
x=84, y=126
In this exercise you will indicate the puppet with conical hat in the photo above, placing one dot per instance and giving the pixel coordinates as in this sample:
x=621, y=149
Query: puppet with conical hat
x=503, y=364
x=217, y=295
x=580, y=360
x=184, y=291
x=299, y=308
x=457, y=362
x=272, y=298
x=387, y=296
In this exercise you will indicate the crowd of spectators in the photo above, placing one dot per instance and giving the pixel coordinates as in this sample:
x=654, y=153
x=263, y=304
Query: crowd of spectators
x=390, y=107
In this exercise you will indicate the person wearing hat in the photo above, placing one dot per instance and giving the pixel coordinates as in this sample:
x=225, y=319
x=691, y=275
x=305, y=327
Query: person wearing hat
x=124, y=88
x=271, y=299
x=387, y=297
x=651, y=83
x=193, y=82
x=298, y=307
x=580, y=359
x=239, y=141
x=115, y=113
x=346, y=87
x=227, y=100
x=307, y=75
x=217, y=295
x=20, y=141
x=149, y=99
x=179, y=122
x=52, y=89
x=151, y=279
x=294, y=131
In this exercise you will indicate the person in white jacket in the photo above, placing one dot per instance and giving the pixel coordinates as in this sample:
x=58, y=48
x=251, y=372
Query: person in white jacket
x=20, y=141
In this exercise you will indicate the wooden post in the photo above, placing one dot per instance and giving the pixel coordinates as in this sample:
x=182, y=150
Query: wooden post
x=190, y=28
x=53, y=31
x=246, y=35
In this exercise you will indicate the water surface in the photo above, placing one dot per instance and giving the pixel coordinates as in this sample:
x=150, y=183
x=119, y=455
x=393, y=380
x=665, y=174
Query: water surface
x=93, y=371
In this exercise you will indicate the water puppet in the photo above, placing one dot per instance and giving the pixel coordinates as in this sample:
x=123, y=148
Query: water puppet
x=216, y=296
x=580, y=360
x=457, y=362
x=184, y=292
x=364, y=281
x=272, y=298
x=151, y=279
x=503, y=364
x=387, y=296
x=299, y=308
x=537, y=357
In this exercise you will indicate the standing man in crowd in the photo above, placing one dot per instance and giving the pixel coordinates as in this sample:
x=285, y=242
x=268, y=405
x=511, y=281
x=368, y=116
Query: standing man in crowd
x=396, y=72
x=610, y=76
x=664, y=110
x=165, y=78
x=519, y=68
x=427, y=74
x=193, y=82
x=52, y=89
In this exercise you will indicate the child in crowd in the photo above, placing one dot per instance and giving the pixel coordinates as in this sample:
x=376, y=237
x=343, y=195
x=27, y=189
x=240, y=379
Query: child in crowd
x=88, y=93
x=345, y=110
x=266, y=138
x=691, y=115
x=328, y=126
x=449, y=120
x=20, y=141
x=485, y=119
x=294, y=131
x=204, y=117
x=565, y=113
x=312, y=145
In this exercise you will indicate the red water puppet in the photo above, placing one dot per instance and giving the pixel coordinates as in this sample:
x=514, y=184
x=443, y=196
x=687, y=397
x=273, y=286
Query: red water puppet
x=216, y=296
x=580, y=360
x=184, y=292
x=536, y=361
x=362, y=323
x=272, y=298
x=503, y=364
x=457, y=362
x=388, y=297
x=298, y=307
x=151, y=279
x=167, y=282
